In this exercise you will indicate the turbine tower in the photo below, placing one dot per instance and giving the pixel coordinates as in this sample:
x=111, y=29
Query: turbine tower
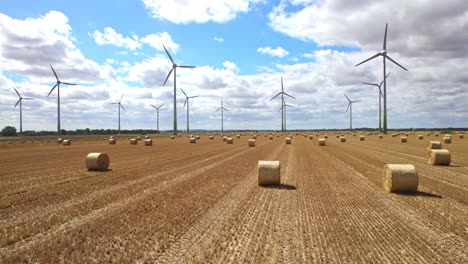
x=157, y=110
x=174, y=68
x=350, y=107
x=282, y=93
x=21, y=108
x=58, y=97
x=120, y=106
x=284, y=105
x=222, y=115
x=384, y=55
x=187, y=103
x=380, y=98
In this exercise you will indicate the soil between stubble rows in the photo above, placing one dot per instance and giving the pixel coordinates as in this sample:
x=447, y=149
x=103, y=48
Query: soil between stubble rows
x=177, y=202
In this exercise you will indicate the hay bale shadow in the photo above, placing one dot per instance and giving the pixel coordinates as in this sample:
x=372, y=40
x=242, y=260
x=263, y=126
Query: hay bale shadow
x=280, y=186
x=101, y=171
x=422, y=194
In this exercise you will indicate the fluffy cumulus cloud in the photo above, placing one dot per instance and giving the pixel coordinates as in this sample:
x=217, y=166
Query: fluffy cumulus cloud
x=275, y=52
x=110, y=37
x=28, y=47
x=198, y=11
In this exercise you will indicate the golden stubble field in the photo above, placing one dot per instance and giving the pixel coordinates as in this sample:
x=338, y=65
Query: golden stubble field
x=176, y=202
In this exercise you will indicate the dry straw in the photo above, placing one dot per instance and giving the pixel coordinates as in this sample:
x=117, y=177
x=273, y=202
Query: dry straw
x=133, y=141
x=403, y=139
x=251, y=142
x=311, y=137
x=361, y=138
x=59, y=140
x=322, y=142
x=193, y=140
x=420, y=137
x=138, y=138
x=271, y=137
x=447, y=139
x=66, y=142
x=460, y=136
x=112, y=141
x=380, y=136
x=147, y=137
x=325, y=136
x=148, y=142
x=439, y=157
x=229, y=140
x=400, y=178
x=211, y=137
x=342, y=139
x=97, y=161
x=172, y=137
x=288, y=140
x=268, y=172
x=238, y=136
x=197, y=137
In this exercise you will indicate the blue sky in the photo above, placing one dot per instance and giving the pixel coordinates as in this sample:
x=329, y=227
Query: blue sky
x=242, y=49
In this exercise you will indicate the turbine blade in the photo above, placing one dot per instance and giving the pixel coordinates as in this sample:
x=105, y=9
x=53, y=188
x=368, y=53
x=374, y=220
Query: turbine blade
x=183, y=92
x=114, y=103
x=387, y=75
x=193, y=96
x=218, y=109
x=373, y=84
x=26, y=98
x=348, y=107
x=279, y=109
x=169, y=55
x=375, y=56
x=56, y=77
x=53, y=88
x=185, y=102
x=168, y=75
x=275, y=96
x=385, y=37
x=347, y=97
x=17, y=92
x=289, y=95
x=388, y=57
x=16, y=103
x=356, y=101
x=123, y=107
x=160, y=106
x=282, y=84
x=183, y=66
x=69, y=83
x=225, y=109
x=121, y=99
x=153, y=106
x=381, y=94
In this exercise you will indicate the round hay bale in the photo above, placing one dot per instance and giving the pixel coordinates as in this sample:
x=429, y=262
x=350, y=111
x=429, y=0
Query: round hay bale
x=322, y=142
x=337, y=136
x=97, y=161
x=197, y=137
x=381, y=136
x=229, y=140
x=225, y=138
x=342, y=139
x=148, y=142
x=133, y=141
x=439, y=157
x=361, y=138
x=403, y=139
x=311, y=137
x=271, y=137
x=111, y=137
x=254, y=136
x=400, y=178
x=269, y=172
x=138, y=138
x=434, y=145
x=288, y=140
x=325, y=136
x=172, y=137
x=112, y=141
x=193, y=140
x=211, y=137
x=66, y=142
x=59, y=140
x=447, y=139
x=436, y=134
x=238, y=136
x=147, y=137
x=191, y=136
x=251, y=142
x=420, y=137
x=460, y=136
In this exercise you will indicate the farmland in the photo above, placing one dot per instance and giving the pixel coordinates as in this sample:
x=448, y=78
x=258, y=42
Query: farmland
x=176, y=202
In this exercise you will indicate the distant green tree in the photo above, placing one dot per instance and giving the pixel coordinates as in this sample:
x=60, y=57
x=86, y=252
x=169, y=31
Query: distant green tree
x=9, y=131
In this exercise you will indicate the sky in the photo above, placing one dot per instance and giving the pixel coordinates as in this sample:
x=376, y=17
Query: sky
x=242, y=49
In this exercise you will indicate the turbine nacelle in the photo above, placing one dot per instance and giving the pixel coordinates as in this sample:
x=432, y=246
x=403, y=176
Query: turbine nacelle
x=383, y=52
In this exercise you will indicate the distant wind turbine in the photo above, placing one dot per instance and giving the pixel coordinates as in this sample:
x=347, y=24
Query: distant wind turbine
x=187, y=98
x=284, y=105
x=380, y=97
x=282, y=93
x=384, y=55
x=350, y=107
x=157, y=109
x=120, y=106
x=58, y=97
x=222, y=115
x=174, y=68
x=21, y=108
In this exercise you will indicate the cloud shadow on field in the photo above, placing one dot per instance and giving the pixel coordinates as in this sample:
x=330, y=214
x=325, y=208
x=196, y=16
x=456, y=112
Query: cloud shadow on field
x=422, y=194
x=281, y=186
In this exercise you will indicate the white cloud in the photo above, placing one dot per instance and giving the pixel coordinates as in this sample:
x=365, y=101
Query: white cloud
x=198, y=11
x=218, y=39
x=110, y=37
x=275, y=52
x=158, y=40
x=231, y=66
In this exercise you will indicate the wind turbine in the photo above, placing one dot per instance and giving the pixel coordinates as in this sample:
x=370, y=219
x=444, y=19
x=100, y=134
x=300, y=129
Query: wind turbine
x=21, y=108
x=284, y=105
x=157, y=109
x=350, y=107
x=120, y=106
x=380, y=97
x=58, y=96
x=174, y=68
x=187, y=103
x=282, y=93
x=384, y=55
x=222, y=115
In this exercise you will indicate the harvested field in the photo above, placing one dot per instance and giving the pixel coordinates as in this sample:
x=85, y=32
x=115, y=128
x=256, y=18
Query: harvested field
x=200, y=203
